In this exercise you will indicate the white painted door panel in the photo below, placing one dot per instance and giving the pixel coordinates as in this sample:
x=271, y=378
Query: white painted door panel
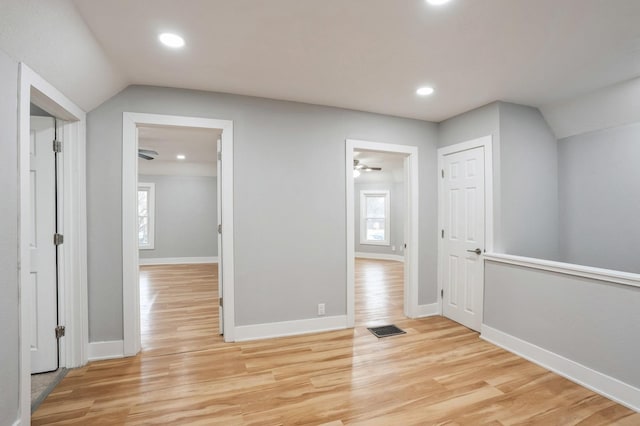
x=464, y=233
x=41, y=291
x=219, y=204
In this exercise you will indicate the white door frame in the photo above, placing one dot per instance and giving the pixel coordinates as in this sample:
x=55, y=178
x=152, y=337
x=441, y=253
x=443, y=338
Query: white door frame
x=411, y=223
x=72, y=255
x=130, y=261
x=486, y=143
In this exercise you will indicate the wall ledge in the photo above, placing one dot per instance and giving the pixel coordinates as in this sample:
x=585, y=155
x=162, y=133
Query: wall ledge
x=608, y=275
x=596, y=381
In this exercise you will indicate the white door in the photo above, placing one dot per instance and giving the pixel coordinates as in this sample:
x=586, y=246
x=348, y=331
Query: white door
x=219, y=204
x=464, y=236
x=41, y=291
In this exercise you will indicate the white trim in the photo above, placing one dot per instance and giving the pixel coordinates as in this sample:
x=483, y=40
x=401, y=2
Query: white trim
x=106, y=350
x=608, y=275
x=364, y=193
x=290, y=328
x=130, y=261
x=429, y=310
x=150, y=189
x=606, y=386
x=411, y=223
x=379, y=256
x=485, y=142
x=73, y=309
x=178, y=260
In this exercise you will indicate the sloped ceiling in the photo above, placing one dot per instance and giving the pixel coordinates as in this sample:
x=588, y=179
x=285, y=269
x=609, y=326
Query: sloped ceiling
x=52, y=38
x=368, y=55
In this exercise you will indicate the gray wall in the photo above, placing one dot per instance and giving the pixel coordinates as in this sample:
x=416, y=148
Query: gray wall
x=186, y=216
x=474, y=124
x=591, y=322
x=9, y=314
x=600, y=198
x=528, y=183
x=396, y=215
x=525, y=190
x=289, y=207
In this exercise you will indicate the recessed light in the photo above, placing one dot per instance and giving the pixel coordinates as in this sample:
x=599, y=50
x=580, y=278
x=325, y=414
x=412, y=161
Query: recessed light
x=424, y=91
x=171, y=40
x=181, y=156
x=437, y=2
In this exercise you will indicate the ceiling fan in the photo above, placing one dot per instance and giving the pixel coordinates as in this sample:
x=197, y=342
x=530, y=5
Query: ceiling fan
x=147, y=154
x=357, y=165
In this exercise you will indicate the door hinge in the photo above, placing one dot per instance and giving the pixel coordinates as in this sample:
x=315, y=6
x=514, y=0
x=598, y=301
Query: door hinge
x=57, y=146
x=442, y=234
x=220, y=228
x=60, y=330
x=442, y=172
x=221, y=303
x=58, y=239
x=442, y=293
x=219, y=156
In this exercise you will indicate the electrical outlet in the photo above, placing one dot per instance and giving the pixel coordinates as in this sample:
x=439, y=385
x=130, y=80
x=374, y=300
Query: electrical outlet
x=393, y=248
x=320, y=308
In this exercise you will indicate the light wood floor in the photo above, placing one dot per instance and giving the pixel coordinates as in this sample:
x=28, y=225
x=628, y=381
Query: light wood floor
x=438, y=373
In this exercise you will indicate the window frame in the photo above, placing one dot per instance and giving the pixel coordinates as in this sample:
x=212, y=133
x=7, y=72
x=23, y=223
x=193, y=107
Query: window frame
x=150, y=188
x=363, y=217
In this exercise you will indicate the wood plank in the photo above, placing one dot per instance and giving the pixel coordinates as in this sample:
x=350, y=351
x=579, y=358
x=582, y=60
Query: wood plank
x=437, y=373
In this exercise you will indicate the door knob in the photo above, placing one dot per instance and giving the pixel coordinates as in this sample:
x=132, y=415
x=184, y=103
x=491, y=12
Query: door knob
x=476, y=251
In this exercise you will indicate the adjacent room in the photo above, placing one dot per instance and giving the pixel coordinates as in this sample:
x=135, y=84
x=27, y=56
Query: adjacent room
x=356, y=212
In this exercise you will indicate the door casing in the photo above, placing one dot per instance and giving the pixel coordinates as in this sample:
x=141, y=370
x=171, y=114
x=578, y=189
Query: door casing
x=130, y=261
x=72, y=255
x=486, y=143
x=411, y=308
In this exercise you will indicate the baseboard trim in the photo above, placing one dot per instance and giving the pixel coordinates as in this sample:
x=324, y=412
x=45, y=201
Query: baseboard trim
x=380, y=256
x=428, y=310
x=289, y=328
x=106, y=350
x=177, y=260
x=606, y=386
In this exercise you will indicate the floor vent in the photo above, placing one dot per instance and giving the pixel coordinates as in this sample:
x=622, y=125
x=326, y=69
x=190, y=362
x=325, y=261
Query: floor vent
x=386, y=331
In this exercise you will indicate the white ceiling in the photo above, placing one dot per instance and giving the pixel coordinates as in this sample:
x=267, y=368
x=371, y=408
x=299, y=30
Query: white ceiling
x=368, y=55
x=197, y=145
x=371, y=55
x=392, y=165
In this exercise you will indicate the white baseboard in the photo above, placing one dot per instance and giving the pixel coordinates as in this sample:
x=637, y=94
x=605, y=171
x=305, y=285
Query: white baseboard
x=177, y=260
x=380, y=256
x=289, y=328
x=106, y=350
x=606, y=386
x=428, y=310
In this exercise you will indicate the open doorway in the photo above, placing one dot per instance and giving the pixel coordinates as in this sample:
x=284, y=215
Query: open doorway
x=52, y=237
x=133, y=125
x=379, y=212
x=178, y=238
x=382, y=267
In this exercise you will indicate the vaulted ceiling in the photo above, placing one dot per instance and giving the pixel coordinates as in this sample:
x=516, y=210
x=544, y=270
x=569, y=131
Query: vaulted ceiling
x=368, y=55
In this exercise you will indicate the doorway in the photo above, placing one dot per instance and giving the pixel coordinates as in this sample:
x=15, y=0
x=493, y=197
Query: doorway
x=132, y=122
x=66, y=310
x=379, y=212
x=465, y=219
x=178, y=210
x=408, y=244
